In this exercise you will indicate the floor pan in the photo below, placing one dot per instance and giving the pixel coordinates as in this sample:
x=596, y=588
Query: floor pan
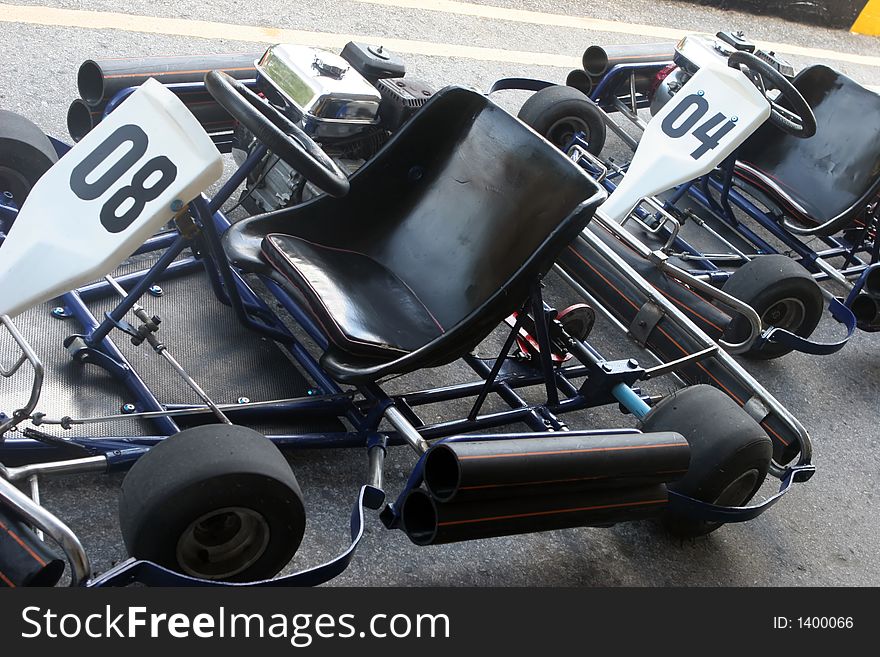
x=227, y=360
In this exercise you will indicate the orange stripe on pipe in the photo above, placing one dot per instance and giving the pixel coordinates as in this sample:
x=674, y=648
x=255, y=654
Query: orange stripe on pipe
x=569, y=451
x=22, y=544
x=207, y=70
x=557, y=481
x=551, y=513
x=8, y=581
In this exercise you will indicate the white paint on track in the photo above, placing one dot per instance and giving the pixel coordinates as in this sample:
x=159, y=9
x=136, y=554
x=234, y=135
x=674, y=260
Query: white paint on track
x=105, y=20
x=601, y=25
x=99, y=20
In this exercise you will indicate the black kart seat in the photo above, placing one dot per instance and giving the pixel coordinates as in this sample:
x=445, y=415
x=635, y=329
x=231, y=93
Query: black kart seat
x=823, y=182
x=330, y=278
x=440, y=237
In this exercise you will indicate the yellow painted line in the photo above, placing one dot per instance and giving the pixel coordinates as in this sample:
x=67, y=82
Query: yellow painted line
x=614, y=27
x=868, y=21
x=105, y=20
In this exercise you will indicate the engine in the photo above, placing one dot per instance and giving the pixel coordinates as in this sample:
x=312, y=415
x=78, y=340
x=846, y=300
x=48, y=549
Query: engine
x=350, y=104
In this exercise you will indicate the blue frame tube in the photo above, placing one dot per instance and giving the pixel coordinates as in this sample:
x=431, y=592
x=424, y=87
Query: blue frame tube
x=248, y=306
x=807, y=254
x=604, y=93
x=140, y=288
x=100, y=289
x=157, y=242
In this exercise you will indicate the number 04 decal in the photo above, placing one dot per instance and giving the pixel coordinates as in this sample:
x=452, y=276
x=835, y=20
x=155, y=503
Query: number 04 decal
x=698, y=107
x=137, y=194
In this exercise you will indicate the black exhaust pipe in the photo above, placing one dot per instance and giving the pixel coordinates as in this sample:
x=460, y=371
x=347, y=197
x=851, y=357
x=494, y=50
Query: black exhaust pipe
x=589, y=268
x=579, y=80
x=82, y=117
x=491, y=467
x=866, y=308
x=25, y=560
x=98, y=80
x=598, y=60
x=872, y=282
x=428, y=522
x=211, y=115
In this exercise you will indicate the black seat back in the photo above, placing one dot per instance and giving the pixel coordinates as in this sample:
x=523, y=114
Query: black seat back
x=456, y=206
x=833, y=173
x=465, y=204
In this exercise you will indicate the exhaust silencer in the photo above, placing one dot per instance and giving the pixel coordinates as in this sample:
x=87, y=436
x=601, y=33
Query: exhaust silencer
x=507, y=484
x=523, y=465
x=82, y=117
x=598, y=60
x=872, y=281
x=866, y=306
x=98, y=80
x=25, y=560
x=428, y=522
x=579, y=80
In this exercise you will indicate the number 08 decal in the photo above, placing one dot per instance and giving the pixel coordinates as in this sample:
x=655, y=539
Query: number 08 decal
x=698, y=106
x=137, y=194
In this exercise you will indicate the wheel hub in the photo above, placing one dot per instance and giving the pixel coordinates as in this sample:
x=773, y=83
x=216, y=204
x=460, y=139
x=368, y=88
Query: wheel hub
x=563, y=131
x=788, y=314
x=12, y=181
x=222, y=543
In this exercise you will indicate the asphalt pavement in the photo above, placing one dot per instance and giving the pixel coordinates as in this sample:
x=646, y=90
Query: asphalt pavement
x=824, y=533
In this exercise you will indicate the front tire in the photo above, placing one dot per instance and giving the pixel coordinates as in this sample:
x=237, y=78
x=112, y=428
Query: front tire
x=783, y=293
x=730, y=452
x=25, y=155
x=216, y=502
x=557, y=113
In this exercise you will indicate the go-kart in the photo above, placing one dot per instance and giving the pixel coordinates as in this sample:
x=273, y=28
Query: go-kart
x=751, y=225
x=438, y=241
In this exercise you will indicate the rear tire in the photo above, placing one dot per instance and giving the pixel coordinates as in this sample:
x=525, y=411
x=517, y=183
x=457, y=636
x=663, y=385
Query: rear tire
x=216, y=502
x=557, y=113
x=783, y=293
x=730, y=452
x=25, y=155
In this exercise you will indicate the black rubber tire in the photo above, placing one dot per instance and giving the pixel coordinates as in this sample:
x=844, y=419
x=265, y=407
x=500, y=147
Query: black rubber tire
x=730, y=452
x=557, y=112
x=25, y=155
x=780, y=290
x=207, y=469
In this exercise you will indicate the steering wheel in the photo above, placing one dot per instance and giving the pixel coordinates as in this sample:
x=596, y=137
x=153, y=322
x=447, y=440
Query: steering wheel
x=281, y=135
x=799, y=121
